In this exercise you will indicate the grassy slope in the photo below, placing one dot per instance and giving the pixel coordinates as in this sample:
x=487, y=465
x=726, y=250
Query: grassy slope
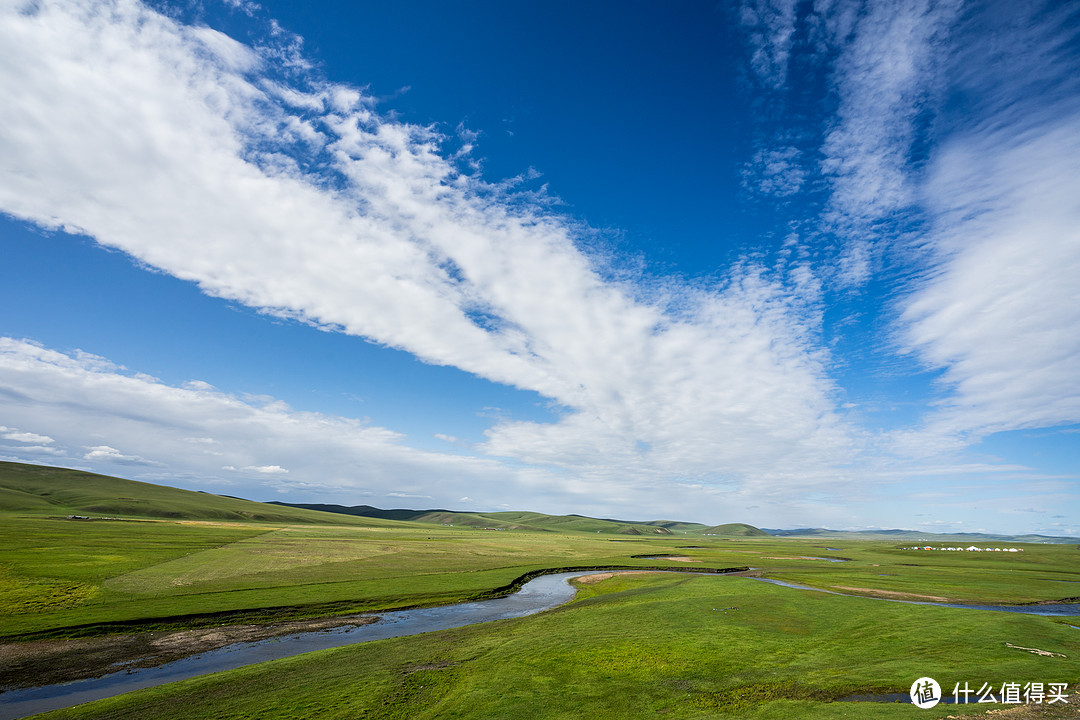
x=185, y=553
x=639, y=647
x=56, y=573
x=43, y=490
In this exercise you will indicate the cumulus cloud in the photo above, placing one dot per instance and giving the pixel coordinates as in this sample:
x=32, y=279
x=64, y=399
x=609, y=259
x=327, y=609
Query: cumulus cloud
x=112, y=455
x=24, y=437
x=267, y=469
x=27, y=444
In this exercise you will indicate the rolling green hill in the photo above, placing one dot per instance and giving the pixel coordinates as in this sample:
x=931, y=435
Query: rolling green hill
x=507, y=520
x=43, y=490
x=734, y=530
x=516, y=520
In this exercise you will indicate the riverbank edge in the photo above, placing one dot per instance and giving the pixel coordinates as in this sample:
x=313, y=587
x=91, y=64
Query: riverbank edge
x=315, y=611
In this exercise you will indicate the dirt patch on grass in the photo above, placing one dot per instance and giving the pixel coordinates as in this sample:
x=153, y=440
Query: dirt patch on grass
x=46, y=662
x=892, y=594
x=599, y=577
x=1032, y=711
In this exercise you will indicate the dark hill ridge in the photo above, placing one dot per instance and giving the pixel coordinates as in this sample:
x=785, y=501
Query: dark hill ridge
x=541, y=522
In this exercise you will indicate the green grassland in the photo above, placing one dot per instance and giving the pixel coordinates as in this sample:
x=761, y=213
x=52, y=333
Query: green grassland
x=640, y=646
x=226, y=555
x=631, y=646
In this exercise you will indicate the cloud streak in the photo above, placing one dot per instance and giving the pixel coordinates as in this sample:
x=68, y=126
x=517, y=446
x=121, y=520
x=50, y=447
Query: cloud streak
x=998, y=306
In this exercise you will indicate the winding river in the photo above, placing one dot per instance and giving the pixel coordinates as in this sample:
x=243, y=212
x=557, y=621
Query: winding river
x=539, y=594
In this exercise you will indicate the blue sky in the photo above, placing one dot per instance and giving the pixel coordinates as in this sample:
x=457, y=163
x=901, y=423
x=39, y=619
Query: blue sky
x=785, y=263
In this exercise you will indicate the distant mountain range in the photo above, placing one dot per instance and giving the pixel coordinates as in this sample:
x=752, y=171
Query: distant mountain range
x=915, y=535
x=44, y=490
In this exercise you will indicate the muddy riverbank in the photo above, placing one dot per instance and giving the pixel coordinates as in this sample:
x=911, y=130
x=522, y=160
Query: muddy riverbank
x=47, y=662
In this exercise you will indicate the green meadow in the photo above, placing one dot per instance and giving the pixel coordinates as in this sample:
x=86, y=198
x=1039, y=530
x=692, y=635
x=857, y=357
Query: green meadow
x=640, y=645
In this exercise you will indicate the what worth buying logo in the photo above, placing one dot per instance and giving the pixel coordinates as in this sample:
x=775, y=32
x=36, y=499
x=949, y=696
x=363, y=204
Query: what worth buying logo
x=926, y=693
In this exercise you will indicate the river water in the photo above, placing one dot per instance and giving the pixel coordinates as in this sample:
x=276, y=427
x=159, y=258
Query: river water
x=1053, y=610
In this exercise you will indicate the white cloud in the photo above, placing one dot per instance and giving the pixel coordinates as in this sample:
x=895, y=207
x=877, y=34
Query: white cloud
x=38, y=450
x=176, y=145
x=998, y=308
x=126, y=128
x=777, y=171
x=267, y=469
x=770, y=25
x=24, y=437
x=90, y=414
x=1001, y=309
x=883, y=76
x=112, y=455
x=882, y=64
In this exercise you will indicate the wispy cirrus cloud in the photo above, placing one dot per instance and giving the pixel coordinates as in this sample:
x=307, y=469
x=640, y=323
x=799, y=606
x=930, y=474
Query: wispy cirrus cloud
x=885, y=75
x=879, y=66
x=999, y=310
x=997, y=307
x=954, y=158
